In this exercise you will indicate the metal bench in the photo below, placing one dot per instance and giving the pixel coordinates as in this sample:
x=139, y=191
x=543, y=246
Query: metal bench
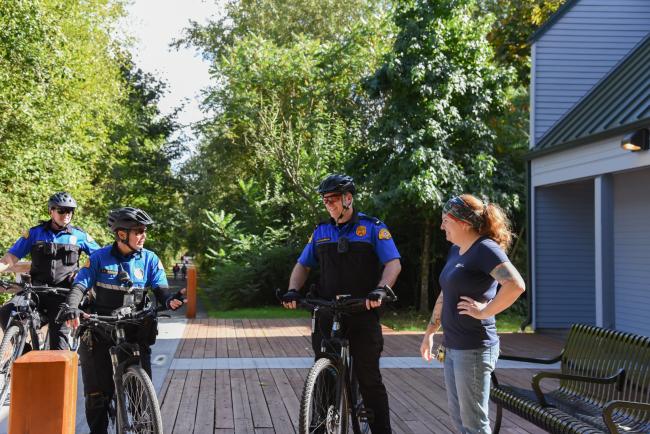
x=604, y=386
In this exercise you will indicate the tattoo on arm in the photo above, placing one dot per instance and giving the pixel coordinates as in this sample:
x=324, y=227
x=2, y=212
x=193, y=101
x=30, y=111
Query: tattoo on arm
x=436, y=315
x=503, y=273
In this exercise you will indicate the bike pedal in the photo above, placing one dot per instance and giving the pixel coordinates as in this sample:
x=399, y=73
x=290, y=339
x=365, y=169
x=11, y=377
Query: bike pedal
x=366, y=415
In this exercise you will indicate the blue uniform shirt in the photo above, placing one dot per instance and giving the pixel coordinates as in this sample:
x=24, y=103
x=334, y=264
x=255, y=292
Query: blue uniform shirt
x=101, y=273
x=356, y=270
x=364, y=229
x=54, y=253
x=43, y=232
x=469, y=275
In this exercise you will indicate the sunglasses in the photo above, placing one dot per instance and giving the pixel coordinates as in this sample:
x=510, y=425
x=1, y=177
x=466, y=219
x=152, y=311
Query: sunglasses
x=331, y=199
x=139, y=231
x=64, y=210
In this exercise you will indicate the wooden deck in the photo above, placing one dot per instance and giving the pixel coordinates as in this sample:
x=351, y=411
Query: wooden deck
x=261, y=401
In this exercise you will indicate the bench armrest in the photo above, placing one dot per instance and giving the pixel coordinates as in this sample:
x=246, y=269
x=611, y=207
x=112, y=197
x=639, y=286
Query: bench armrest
x=532, y=359
x=609, y=408
x=618, y=377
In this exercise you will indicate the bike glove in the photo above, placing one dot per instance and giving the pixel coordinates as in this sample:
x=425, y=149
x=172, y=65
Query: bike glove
x=291, y=295
x=71, y=313
x=177, y=296
x=377, y=295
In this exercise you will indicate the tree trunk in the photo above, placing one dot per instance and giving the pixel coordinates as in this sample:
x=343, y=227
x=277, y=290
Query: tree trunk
x=425, y=266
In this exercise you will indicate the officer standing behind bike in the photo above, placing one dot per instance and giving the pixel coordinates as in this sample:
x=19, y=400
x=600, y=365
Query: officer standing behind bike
x=54, y=246
x=115, y=276
x=350, y=249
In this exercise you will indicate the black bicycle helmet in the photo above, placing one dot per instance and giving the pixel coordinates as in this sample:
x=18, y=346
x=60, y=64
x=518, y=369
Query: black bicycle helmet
x=128, y=218
x=62, y=199
x=336, y=183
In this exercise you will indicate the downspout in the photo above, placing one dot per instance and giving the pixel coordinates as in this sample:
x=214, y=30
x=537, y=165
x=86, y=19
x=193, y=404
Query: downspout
x=529, y=243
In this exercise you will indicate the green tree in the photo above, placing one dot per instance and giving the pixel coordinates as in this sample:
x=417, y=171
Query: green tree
x=439, y=92
x=137, y=169
x=76, y=115
x=60, y=90
x=515, y=23
x=287, y=111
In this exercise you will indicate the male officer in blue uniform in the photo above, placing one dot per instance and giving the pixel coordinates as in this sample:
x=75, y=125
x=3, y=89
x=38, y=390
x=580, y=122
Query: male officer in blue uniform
x=109, y=274
x=55, y=246
x=351, y=248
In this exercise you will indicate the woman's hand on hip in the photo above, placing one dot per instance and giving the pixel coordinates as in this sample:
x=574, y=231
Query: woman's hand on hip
x=471, y=307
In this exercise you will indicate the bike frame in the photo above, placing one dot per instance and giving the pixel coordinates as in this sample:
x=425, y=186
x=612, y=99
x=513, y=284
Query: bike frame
x=133, y=351
x=106, y=326
x=340, y=360
x=26, y=315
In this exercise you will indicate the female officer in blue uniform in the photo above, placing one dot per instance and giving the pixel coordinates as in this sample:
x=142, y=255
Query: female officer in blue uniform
x=357, y=256
x=107, y=276
x=55, y=246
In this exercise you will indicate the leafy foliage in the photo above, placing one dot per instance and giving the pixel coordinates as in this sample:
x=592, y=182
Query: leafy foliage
x=76, y=115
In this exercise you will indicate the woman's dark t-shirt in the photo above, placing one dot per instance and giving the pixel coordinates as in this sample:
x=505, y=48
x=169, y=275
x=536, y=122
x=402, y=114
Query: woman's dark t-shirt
x=469, y=275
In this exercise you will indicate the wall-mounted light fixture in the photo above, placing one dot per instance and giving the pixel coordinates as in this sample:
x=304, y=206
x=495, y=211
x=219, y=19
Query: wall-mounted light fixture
x=638, y=140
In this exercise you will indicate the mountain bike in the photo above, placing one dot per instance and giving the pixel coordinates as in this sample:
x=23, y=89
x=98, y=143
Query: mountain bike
x=331, y=396
x=24, y=324
x=134, y=406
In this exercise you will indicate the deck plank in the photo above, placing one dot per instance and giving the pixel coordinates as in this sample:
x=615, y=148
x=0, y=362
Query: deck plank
x=266, y=401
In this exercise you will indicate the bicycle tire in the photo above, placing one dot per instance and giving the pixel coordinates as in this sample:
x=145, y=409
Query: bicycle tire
x=13, y=343
x=317, y=412
x=141, y=403
x=359, y=425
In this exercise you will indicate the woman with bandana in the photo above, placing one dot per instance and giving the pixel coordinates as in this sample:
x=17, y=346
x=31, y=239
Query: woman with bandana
x=467, y=305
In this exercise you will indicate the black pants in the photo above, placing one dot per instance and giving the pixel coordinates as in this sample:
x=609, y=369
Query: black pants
x=48, y=306
x=97, y=374
x=363, y=330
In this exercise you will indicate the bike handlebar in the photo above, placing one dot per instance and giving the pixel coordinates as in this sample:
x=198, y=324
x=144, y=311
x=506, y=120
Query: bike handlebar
x=5, y=284
x=345, y=303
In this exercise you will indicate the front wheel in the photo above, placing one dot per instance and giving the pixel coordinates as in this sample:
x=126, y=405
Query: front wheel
x=141, y=403
x=319, y=412
x=13, y=343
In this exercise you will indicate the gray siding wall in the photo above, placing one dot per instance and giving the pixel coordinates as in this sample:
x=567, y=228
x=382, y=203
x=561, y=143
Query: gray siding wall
x=632, y=252
x=564, y=255
x=580, y=49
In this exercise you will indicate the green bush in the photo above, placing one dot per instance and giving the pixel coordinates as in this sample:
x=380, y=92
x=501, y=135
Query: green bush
x=242, y=269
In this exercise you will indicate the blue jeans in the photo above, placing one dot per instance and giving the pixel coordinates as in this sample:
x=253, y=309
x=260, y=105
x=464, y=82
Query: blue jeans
x=467, y=380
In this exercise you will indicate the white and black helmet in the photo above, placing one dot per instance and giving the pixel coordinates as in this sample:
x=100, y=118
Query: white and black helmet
x=128, y=218
x=62, y=199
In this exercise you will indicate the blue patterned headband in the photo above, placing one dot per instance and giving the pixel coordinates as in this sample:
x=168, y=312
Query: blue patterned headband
x=459, y=209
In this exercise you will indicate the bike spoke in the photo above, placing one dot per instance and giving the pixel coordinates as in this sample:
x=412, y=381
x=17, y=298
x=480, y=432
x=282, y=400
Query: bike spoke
x=138, y=406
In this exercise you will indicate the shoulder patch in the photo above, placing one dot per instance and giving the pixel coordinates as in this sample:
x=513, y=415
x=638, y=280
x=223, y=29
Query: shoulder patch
x=384, y=234
x=160, y=265
x=26, y=234
x=87, y=264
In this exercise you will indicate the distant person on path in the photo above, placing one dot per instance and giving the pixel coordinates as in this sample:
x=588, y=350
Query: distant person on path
x=176, y=269
x=476, y=264
x=55, y=246
x=184, y=271
x=356, y=254
x=111, y=271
